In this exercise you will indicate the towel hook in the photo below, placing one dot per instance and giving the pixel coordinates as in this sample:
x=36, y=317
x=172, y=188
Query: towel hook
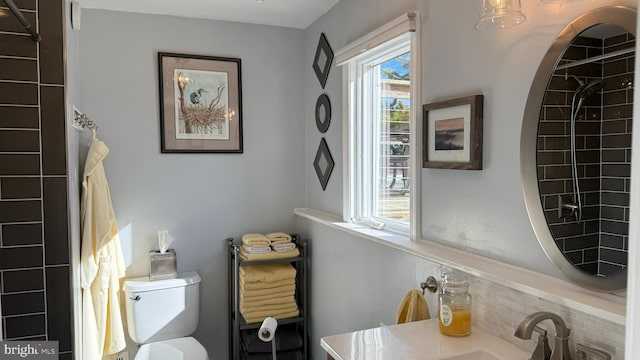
x=431, y=284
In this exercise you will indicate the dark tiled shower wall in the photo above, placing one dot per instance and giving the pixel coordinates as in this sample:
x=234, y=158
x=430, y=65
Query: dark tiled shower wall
x=618, y=73
x=599, y=243
x=34, y=243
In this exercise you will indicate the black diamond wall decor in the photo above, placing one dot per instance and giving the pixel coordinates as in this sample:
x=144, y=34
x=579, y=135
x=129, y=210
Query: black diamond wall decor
x=323, y=59
x=323, y=163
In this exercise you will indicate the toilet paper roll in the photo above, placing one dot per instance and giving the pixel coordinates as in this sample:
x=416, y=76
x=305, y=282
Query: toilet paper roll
x=268, y=329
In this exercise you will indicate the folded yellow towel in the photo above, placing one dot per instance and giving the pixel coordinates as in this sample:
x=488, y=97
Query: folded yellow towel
x=269, y=256
x=255, y=240
x=278, y=238
x=288, y=306
x=412, y=308
x=255, y=298
x=265, y=285
x=258, y=316
x=282, y=290
x=267, y=273
x=276, y=300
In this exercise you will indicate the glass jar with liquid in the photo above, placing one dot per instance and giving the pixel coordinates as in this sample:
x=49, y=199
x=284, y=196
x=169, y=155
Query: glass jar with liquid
x=454, y=305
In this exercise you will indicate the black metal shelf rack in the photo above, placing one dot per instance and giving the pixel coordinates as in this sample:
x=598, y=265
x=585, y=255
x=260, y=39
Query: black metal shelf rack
x=238, y=323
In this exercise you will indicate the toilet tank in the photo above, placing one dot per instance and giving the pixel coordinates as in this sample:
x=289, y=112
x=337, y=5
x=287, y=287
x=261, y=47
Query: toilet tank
x=162, y=309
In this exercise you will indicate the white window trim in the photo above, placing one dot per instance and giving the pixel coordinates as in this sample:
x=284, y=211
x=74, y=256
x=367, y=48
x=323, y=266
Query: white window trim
x=407, y=23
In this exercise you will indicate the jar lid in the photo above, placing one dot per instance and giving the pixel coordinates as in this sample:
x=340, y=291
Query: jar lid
x=455, y=280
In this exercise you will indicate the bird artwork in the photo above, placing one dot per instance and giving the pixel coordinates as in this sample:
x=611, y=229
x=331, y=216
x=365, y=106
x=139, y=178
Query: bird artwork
x=196, y=95
x=198, y=117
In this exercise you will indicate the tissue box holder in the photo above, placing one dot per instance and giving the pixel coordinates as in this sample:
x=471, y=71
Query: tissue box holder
x=162, y=266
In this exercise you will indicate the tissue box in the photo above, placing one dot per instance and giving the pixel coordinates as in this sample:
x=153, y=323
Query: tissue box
x=162, y=266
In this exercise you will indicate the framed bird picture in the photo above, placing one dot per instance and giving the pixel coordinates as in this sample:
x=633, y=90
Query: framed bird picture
x=200, y=104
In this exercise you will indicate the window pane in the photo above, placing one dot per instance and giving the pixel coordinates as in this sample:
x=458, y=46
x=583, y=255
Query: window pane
x=391, y=188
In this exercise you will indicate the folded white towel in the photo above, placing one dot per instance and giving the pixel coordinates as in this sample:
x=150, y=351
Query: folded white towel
x=256, y=249
x=283, y=247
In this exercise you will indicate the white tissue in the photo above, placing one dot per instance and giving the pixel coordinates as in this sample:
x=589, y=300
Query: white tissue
x=164, y=240
x=268, y=329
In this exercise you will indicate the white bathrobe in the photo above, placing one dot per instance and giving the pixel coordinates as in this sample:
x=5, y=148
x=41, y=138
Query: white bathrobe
x=101, y=262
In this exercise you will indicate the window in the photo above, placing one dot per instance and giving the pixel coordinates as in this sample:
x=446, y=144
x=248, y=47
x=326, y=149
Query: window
x=381, y=133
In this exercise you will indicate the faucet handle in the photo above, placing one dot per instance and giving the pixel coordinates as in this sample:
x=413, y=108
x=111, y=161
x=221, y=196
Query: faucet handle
x=542, y=350
x=583, y=350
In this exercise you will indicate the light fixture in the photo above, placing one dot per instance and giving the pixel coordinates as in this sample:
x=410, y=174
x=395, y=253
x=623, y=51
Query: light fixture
x=500, y=14
x=260, y=1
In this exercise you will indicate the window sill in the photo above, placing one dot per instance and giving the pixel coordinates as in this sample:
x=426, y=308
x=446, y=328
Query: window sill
x=607, y=306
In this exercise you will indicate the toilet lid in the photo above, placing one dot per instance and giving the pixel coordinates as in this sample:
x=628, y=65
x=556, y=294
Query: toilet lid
x=186, y=348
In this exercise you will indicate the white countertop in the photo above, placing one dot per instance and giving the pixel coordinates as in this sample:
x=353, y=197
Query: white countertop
x=417, y=340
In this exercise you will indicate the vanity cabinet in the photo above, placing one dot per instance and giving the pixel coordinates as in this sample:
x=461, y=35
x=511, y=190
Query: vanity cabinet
x=240, y=330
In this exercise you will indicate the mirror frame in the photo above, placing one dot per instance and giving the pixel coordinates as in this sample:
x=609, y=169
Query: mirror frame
x=624, y=17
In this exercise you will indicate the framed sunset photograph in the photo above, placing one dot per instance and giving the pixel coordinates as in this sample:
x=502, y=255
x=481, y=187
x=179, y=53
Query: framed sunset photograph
x=453, y=134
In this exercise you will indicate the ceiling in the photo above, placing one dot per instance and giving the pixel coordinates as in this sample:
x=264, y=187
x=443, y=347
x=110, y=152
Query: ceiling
x=288, y=13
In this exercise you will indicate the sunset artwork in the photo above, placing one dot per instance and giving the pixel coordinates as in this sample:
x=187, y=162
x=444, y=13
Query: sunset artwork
x=449, y=134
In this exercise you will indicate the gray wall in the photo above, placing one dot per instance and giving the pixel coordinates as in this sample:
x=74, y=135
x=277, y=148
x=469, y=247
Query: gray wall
x=200, y=198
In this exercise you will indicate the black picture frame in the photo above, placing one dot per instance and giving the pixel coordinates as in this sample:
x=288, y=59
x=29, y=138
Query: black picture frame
x=323, y=120
x=452, y=134
x=323, y=168
x=200, y=103
x=319, y=67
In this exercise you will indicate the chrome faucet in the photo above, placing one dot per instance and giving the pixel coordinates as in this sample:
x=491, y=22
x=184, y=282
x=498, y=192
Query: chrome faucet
x=561, y=340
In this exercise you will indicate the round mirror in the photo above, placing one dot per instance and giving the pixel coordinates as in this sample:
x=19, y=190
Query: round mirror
x=576, y=148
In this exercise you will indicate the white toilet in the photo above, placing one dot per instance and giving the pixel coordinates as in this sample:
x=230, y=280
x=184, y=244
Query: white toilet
x=161, y=315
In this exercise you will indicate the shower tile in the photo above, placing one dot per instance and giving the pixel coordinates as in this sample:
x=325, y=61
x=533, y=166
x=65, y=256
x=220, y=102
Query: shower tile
x=23, y=326
x=594, y=51
x=583, y=242
x=614, y=155
x=612, y=241
x=612, y=212
x=22, y=280
x=19, y=187
x=615, y=97
x=19, y=141
x=552, y=217
x=613, y=184
x=591, y=255
x=556, y=143
x=617, y=112
x=608, y=269
x=18, y=93
x=20, y=257
x=19, y=164
x=56, y=232
x=51, y=46
x=591, y=171
x=614, y=67
x=575, y=53
x=590, y=185
x=54, y=151
x=614, y=126
x=588, y=156
x=12, y=24
x=567, y=230
x=550, y=157
x=20, y=211
x=587, y=41
x=616, y=170
x=616, y=141
x=551, y=128
x=21, y=234
x=26, y=4
x=590, y=69
x=590, y=212
x=618, y=47
x=18, y=69
x=555, y=98
x=557, y=112
x=21, y=46
x=615, y=227
x=59, y=306
x=614, y=256
x=19, y=117
x=557, y=172
x=25, y=303
x=614, y=40
x=591, y=268
x=593, y=113
x=575, y=257
x=614, y=198
x=551, y=187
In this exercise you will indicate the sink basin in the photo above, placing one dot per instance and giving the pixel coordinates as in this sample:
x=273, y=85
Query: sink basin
x=476, y=355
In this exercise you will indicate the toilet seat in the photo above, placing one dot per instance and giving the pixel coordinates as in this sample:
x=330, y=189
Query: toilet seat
x=186, y=348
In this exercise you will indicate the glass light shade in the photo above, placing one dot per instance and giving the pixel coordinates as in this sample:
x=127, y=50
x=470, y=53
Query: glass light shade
x=500, y=14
